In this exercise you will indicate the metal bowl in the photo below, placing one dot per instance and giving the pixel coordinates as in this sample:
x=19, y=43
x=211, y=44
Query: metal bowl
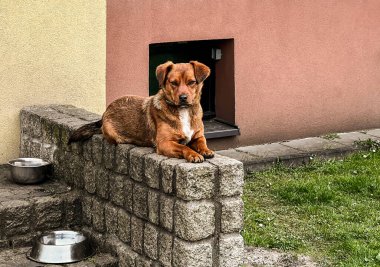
x=29, y=170
x=61, y=247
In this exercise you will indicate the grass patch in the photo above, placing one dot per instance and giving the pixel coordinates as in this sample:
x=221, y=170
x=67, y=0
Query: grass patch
x=327, y=209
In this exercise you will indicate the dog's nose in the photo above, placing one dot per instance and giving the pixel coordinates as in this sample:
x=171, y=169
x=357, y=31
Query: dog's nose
x=183, y=98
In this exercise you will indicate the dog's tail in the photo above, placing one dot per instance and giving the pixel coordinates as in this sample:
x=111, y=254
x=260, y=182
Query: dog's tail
x=85, y=132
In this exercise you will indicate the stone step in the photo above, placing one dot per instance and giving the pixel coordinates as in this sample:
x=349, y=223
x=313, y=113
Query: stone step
x=17, y=258
x=28, y=210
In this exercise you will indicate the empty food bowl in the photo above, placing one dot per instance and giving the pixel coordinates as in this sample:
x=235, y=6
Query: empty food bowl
x=61, y=247
x=29, y=170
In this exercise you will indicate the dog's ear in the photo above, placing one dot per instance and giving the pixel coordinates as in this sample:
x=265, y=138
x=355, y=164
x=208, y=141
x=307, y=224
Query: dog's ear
x=162, y=71
x=201, y=71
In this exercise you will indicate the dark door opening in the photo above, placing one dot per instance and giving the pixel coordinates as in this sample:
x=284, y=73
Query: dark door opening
x=218, y=99
x=185, y=52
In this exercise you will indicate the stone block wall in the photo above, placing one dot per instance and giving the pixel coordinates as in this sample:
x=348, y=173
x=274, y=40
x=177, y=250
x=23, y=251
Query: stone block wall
x=148, y=209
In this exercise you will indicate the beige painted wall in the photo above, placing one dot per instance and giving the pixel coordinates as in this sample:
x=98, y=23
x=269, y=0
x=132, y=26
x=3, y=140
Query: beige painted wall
x=51, y=51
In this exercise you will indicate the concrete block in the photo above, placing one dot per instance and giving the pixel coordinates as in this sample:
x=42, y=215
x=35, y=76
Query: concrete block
x=48, y=212
x=79, y=113
x=165, y=244
x=89, y=177
x=168, y=173
x=67, y=168
x=96, y=238
x=117, y=188
x=126, y=255
x=143, y=262
x=316, y=146
x=100, y=260
x=374, y=132
x=153, y=206
x=56, y=135
x=72, y=209
x=194, y=254
x=137, y=229
x=15, y=217
x=194, y=220
x=151, y=241
x=243, y=157
x=272, y=152
x=76, y=170
x=4, y=244
x=195, y=181
x=35, y=148
x=34, y=124
x=87, y=204
x=230, y=175
x=97, y=149
x=47, y=151
x=66, y=127
x=47, y=131
x=136, y=162
x=59, y=160
x=140, y=201
x=102, y=182
x=98, y=219
x=124, y=226
x=128, y=194
x=108, y=154
x=111, y=216
x=25, y=122
x=76, y=148
x=152, y=169
x=21, y=241
x=350, y=139
x=87, y=150
x=166, y=212
x=25, y=146
x=231, y=250
x=122, y=158
x=232, y=215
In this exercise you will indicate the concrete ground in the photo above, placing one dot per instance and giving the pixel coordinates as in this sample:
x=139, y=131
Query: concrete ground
x=17, y=258
x=299, y=151
x=253, y=257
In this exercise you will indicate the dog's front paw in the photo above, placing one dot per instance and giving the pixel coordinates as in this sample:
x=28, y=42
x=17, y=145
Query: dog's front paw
x=194, y=158
x=207, y=153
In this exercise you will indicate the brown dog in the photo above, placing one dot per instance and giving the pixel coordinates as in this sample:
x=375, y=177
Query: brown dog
x=171, y=120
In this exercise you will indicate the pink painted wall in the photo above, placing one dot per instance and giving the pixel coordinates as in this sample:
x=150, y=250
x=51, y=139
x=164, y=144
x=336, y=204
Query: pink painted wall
x=302, y=68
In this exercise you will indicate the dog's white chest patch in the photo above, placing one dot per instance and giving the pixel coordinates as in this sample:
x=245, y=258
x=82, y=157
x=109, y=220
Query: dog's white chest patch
x=184, y=117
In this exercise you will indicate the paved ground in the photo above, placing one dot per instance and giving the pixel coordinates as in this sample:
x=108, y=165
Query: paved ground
x=299, y=151
x=253, y=257
x=17, y=258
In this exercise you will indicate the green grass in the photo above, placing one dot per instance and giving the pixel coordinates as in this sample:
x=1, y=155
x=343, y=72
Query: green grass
x=329, y=210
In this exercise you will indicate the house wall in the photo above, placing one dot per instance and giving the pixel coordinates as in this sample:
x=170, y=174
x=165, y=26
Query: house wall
x=50, y=52
x=302, y=68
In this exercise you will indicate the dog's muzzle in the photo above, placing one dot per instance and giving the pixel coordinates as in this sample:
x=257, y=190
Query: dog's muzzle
x=183, y=101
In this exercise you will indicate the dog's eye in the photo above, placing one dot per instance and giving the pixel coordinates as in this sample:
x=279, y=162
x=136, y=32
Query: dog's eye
x=191, y=83
x=174, y=83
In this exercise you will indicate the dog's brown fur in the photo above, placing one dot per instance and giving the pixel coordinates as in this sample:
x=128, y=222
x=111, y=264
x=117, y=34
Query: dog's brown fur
x=156, y=120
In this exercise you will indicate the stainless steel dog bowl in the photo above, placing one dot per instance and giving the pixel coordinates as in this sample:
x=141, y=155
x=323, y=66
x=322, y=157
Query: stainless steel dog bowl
x=29, y=170
x=61, y=247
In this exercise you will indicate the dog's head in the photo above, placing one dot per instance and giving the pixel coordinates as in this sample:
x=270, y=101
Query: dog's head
x=182, y=83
